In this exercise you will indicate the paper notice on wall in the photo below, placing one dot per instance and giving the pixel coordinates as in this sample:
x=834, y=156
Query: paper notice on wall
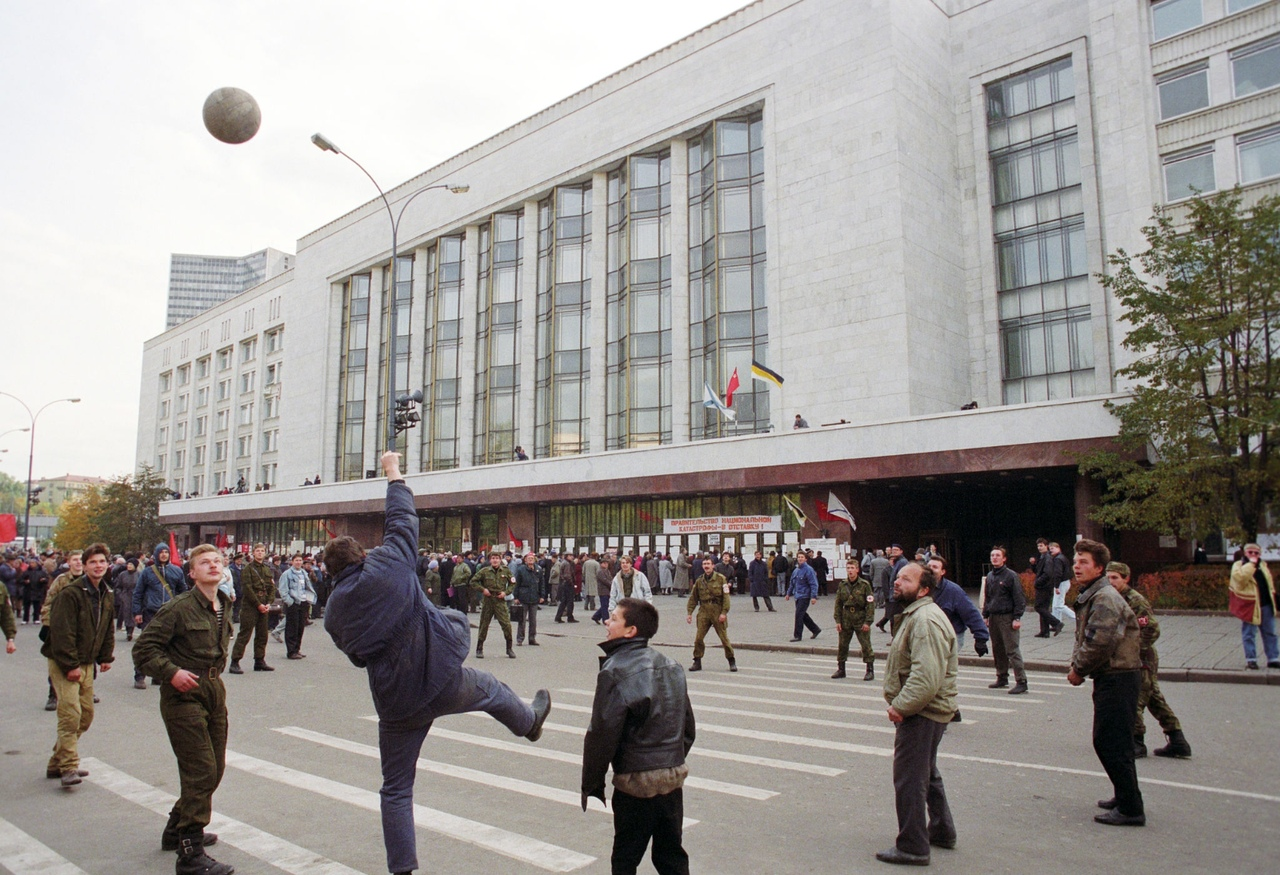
x=599, y=546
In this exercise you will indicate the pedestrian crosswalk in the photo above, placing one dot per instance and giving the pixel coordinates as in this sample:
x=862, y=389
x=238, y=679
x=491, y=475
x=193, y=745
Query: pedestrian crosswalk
x=777, y=731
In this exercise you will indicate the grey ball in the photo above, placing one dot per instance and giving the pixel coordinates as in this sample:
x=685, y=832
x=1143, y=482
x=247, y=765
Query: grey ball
x=232, y=115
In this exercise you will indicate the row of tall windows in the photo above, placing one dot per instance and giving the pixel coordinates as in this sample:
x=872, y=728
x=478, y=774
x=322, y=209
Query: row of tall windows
x=638, y=304
x=727, y=310
x=563, y=376
x=1046, y=341
x=728, y=318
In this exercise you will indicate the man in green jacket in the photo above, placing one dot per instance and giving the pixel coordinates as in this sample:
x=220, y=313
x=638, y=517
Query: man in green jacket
x=81, y=617
x=185, y=646
x=8, y=620
x=920, y=687
x=494, y=583
x=259, y=590
x=710, y=595
x=855, y=609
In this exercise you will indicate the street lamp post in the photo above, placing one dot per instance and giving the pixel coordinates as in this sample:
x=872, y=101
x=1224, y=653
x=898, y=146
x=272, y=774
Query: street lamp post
x=323, y=143
x=31, y=455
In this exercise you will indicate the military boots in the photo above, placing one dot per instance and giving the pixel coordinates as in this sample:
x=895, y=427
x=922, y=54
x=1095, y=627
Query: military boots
x=511, y=654
x=871, y=673
x=839, y=671
x=479, y=651
x=1177, y=746
x=1139, y=747
x=697, y=664
x=733, y=665
x=235, y=668
x=169, y=838
x=192, y=860
x=261, y=665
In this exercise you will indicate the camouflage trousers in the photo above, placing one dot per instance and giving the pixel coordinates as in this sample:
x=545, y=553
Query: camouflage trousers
x=1151, y=699
x=847, y=634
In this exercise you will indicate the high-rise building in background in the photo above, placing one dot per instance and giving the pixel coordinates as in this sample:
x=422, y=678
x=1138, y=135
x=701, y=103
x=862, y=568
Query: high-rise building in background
x=198, y=282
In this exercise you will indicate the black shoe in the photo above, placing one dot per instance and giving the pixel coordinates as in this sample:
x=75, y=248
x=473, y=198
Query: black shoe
x=70, y=778
x=697, y=664
x=572, y=620
x=51, y=704
x=773, y=610
x=519, y=643
x=541, y=708
x=1057, y=630
x=54, y=773
x=533, y=643
x=733, y=666
x=1251, y=665
x=955, y=718
x=1108, y=804
x=594, y=620
x=947, y=844
x=1177, y=746
x=511, y=654
x=1041, y=635
x=294, y=656
x=839, y=672
x=870, y=675
x=234, y=668
x=479, y=651
x=558, y=620
x=815, y=634
x=192, y=860
x=1018, y=689
x=1115, y=818
x=793, y=640
x=1139, y=747
x=261, y=665
x=902, y=858
x=1275, y=663
x=1000, y=684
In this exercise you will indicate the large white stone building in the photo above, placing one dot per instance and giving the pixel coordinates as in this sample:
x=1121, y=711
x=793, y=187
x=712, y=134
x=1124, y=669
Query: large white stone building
x=900, y=206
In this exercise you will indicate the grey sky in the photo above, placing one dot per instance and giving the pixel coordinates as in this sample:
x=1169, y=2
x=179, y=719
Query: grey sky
x=106, y=167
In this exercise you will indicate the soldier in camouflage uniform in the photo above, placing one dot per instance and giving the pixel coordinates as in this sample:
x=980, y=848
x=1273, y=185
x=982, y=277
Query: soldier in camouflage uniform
x=185, y=645
x=8, y=620
x=855, y=609
x=258, y=586
x=1149, y=697
x=494, y=583
x=710, y=595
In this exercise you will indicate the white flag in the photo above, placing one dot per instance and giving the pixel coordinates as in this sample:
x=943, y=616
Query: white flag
x=837, y=509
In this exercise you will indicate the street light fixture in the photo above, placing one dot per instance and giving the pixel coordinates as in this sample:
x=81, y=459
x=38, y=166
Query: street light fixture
x=31, y=454
x=393, y=403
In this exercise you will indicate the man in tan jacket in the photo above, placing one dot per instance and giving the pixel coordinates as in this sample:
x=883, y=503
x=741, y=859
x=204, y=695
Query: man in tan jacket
x=1251, y=582
x=920, y=687
x=1107, y=650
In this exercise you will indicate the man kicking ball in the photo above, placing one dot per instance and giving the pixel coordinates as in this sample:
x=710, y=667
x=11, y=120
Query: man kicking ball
x=413, y=651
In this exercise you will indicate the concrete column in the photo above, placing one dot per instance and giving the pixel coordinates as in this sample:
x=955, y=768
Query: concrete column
x=332, y=377
x=527, y=388
x=467, y=353
x=1088, y=494
x=373, y=373
x=679, y=292
x=417, y=339
x=599, y=268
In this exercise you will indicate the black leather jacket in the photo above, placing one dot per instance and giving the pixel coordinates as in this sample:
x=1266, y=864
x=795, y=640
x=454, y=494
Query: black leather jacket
x=641, y=718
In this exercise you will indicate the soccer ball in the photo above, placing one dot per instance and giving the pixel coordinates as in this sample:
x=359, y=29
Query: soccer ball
x=232, y=115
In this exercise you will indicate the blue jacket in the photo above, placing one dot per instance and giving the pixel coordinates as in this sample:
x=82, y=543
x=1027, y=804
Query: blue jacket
x=295, y=587
x=960, y=610
x=379, y=617
x=150, y=593
x=804, y=582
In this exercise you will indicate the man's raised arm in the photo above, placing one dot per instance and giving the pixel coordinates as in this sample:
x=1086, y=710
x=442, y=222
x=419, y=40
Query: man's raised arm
x=400, y=533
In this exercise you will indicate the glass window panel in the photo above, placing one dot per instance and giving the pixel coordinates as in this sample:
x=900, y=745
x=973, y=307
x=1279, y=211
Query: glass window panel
x=1009, y=306
x=1260, y=158
x=1058, y=353
x=1082, y=383
x=732, y=138
x=644, y=172
x=1033, y=352
x=1059, y=386
x=735, y=245
x=568, y=330
x=1256, y=70
x=644, y=312
x=1183, y=177
x=645, y=238
x=1055, y=296
x=645, y=345
x=644, y=387
x=568, y=362
x=1032, y=301
x=735, y=325
x=733, y=167
x=1036, y=390
x=1054, y=260
x=504, y=283
x=1081, y=343
x=1175, y=16
x=736, y=283
x=507, y=226
x=1184, y=94
x=1078, y=292
x=1029, y=260
x=1238, y=5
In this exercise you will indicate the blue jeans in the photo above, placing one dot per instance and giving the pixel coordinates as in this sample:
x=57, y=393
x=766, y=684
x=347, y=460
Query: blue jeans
x=803, y=619
x=400, y=747
x=1248, y=634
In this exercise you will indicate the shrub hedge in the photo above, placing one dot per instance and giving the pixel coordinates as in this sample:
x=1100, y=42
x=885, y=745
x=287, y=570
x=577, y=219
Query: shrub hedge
x=1176, y=587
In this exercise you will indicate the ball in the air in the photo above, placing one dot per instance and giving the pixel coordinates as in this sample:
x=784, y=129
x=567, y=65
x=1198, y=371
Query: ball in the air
x=232, y=115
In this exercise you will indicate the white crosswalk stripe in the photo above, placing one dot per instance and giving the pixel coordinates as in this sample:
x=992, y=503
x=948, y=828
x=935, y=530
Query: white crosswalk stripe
x=462, y=773
x=815, y=706
x=510, y=844
x=963, y=680
x=542, y=752
x=266, y=847
x=806, y=678
x=697, y=783
x=23, y=854
x=751, y=686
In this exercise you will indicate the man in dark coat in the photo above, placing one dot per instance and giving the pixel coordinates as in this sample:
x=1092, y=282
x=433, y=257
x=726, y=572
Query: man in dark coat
x=1050, y=569
x=413, y=651
x=759, y=575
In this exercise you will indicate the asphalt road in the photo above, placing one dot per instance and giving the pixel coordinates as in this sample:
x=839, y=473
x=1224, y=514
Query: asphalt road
x=791, y=774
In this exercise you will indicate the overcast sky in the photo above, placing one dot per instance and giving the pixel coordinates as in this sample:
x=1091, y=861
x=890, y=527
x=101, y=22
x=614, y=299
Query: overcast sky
x=106, y=168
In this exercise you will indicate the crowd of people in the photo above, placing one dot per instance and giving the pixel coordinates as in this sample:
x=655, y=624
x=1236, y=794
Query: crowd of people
x=83, y=600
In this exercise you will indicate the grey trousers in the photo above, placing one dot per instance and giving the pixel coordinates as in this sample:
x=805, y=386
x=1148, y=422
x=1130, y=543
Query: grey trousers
x=400, y=746
x=921, y=800
x=528, y=615
x=1006, y=647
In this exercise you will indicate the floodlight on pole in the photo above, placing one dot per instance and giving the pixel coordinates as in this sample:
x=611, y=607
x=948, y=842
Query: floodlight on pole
x=31, y=454
x=325, y=144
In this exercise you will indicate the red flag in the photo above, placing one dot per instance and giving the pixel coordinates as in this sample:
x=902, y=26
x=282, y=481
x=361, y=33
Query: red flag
x=511, y=536
x=8, y=527
x=221, y=541
x=173, y=549
x=825, y=514
x=731, y=388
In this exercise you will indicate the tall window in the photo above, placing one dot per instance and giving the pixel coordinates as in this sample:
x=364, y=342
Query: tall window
x=1038, y=214
x=727, y=314
x=351, y=371
x=1174, y=16
x=442, y=350
x=638, y=298
x=498, y=338
x=564, y=322
x=404, y=299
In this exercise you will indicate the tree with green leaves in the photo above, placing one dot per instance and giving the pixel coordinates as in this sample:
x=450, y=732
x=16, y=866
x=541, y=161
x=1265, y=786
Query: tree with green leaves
x=124, y=514
x=1203, y=309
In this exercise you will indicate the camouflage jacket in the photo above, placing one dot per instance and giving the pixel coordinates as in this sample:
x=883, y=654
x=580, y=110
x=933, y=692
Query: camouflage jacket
x=855, y=604
x=498, y=581
x=1106, y=632
x=711, y=592
x=257, y=584
x=1148, y=625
